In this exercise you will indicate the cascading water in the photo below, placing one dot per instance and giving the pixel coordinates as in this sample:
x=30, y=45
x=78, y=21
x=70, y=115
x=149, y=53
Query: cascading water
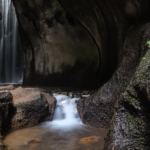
x=66, y=115
x=12, y=58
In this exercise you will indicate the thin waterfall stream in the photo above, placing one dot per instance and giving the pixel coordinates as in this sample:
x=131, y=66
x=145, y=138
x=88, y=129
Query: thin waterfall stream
x=12, y=60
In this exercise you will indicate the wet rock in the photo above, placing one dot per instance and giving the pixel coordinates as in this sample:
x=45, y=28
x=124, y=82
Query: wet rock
x=8, y=88
x=89, y=140
x=34, y=89
x=51, y=104
x=35, y=141
x=5, y=111
x=86, y=92
x=92, y=92
x=31, y=107
x=130, y=125
x=71, y=94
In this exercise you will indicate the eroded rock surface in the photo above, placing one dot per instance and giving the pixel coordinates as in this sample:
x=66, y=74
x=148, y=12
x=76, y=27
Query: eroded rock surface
x=59, y=51
x=130, y=126
x=31, y=107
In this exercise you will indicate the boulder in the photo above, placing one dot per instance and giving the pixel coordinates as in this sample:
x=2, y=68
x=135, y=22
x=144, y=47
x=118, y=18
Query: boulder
x=31, y=107
x=22, y=107
x=51, y=104
x=5, y=113
x=130, y=125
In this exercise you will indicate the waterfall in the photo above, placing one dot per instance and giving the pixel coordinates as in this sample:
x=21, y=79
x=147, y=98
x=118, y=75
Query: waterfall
x=66, y=116
x=11, y=53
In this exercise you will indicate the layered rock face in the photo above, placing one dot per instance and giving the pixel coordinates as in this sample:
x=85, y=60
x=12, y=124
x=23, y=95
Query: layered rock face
x=59, y=51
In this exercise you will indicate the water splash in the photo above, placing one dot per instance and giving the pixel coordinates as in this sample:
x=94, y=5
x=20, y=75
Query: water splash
x=66, y=116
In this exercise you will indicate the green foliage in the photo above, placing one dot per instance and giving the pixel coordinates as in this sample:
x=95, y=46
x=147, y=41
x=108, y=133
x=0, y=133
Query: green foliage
x=148, y=42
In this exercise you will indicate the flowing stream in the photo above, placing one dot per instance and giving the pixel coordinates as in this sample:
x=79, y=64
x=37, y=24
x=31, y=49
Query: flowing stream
x=65, y=132
x=12, y=60
x=66, y=114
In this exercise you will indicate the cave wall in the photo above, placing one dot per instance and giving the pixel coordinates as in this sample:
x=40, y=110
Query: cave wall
x=72, y=42
x=133, y=32
x=58, y=49
x=103, y=20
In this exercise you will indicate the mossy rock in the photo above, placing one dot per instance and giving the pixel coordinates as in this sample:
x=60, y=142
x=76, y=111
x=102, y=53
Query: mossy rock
x=130, y=126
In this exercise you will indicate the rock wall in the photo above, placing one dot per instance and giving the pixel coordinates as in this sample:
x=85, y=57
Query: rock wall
x=59, y=51
x=76, y=43
x=103, y=20
x=97, y=110
x=130, y=126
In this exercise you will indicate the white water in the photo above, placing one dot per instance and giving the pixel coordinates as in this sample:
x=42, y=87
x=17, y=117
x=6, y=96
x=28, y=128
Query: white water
x=11, y=54
x=66, y=116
